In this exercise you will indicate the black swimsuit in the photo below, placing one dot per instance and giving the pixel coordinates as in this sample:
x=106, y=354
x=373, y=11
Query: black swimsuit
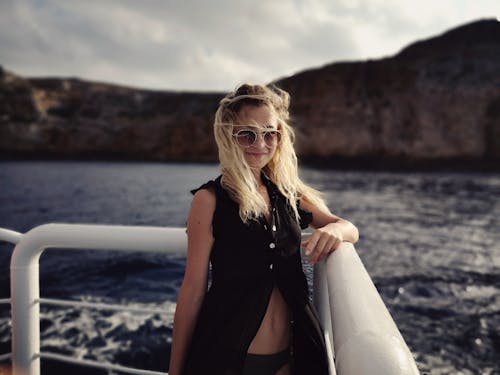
x=265, y=364
x=248, y=261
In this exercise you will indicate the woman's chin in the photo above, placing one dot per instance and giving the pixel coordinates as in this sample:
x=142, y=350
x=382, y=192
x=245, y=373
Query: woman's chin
x=254, y=164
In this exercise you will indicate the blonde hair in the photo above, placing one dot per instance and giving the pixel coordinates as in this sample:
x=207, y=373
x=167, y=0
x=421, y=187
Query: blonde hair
x=282, y=170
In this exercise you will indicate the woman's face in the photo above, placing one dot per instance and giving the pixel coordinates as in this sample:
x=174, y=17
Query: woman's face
x=263, y=121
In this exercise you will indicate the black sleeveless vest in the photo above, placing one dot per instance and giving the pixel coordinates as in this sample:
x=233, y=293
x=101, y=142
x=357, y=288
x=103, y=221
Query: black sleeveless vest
x=248, y=261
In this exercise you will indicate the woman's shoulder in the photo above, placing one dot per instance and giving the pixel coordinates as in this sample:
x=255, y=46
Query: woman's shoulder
x=205, y=198
x=210, y=185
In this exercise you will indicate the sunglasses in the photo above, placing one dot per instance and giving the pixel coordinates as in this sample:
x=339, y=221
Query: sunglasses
x=247, y=137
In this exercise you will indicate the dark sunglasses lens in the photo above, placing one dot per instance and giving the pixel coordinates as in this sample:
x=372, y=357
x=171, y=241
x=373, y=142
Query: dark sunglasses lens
x=246, y=138
x=272, y=137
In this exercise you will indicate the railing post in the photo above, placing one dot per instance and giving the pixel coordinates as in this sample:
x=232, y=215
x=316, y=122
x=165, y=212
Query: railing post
x=25, y=311
x=25, y=308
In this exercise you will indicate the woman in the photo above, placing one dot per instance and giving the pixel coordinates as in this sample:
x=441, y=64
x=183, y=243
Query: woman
x=256, y=317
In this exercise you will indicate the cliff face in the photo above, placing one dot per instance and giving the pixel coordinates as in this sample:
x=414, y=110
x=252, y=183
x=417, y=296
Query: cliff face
x=70, y=118
x=437, y=99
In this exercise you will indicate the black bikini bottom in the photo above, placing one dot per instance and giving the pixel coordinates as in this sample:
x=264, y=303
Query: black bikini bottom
x=265, y=364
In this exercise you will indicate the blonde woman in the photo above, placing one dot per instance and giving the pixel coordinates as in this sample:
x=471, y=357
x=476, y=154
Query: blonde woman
x=256, y=317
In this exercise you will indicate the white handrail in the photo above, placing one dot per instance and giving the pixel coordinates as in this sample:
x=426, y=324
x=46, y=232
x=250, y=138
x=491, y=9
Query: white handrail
x=10, y=236
x=365, y=337
x=25, y=292
x=355, y=320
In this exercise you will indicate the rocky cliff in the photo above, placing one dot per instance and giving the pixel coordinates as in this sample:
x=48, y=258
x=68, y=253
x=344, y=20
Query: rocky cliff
x=70, y=118
x=435, y=102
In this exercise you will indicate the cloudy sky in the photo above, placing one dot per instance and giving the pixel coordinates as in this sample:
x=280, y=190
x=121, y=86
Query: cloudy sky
x=213, y=45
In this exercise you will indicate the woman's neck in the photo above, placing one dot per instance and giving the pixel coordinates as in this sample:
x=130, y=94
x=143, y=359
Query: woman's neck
x=258, y=178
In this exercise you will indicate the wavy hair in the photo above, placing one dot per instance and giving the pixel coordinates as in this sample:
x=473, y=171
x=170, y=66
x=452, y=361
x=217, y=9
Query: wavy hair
x=282, y=169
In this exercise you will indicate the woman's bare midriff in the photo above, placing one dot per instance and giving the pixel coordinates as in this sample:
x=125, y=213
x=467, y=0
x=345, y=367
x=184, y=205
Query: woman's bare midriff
x=275, y=331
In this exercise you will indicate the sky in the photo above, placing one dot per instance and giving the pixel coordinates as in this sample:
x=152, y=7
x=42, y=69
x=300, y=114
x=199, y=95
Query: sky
x=214, y=45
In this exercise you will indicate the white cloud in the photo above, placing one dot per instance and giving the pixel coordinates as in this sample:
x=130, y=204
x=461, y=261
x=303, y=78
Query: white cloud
x=213, y=45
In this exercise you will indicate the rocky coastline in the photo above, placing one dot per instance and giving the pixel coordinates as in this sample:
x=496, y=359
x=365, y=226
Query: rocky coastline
x=435, y=104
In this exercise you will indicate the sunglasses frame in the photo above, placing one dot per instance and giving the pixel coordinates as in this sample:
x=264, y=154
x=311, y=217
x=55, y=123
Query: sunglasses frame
x=276, y=138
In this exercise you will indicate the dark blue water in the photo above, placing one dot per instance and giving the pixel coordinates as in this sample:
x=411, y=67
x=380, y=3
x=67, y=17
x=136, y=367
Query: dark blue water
x=430, y=241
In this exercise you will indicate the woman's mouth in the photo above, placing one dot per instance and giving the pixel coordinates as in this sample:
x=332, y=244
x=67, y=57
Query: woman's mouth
x=257, y=153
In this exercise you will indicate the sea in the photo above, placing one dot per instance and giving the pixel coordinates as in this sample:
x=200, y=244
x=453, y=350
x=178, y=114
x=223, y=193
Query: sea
x=429, y=240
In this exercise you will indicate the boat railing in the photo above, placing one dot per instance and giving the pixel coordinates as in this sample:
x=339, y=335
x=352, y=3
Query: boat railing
x=354, y=318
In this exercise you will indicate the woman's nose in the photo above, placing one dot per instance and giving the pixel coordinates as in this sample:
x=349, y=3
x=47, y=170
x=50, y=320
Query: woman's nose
x=260, y=140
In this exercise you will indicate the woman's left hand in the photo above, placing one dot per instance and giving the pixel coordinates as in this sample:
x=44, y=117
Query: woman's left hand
x=322, y=242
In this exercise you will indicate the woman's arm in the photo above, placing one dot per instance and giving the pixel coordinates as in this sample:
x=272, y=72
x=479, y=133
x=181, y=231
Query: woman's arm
x=330, y=231
x=194, y=284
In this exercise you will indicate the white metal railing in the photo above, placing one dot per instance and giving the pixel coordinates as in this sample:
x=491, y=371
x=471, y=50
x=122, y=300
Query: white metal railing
x=354, y=318
x=25, y=296
x=10, y=236
x=99, y=306
x=356, y=321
